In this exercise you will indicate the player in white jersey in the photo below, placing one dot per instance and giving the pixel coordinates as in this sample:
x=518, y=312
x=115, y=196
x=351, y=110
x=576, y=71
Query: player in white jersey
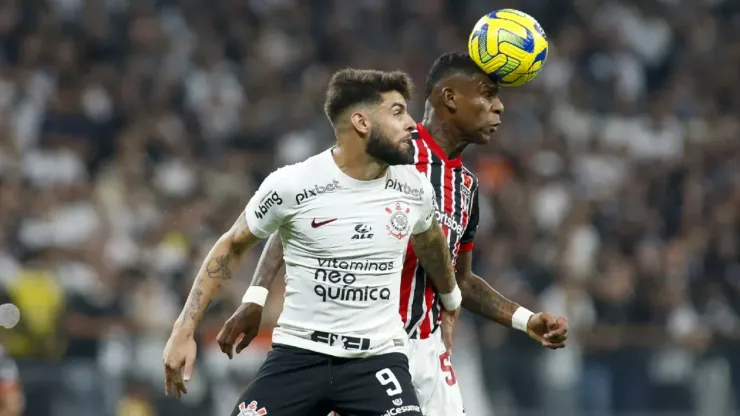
x=340, y=343
x=462, y=108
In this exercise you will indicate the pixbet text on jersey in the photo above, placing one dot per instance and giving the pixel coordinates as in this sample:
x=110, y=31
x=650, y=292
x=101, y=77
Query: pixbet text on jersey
x=309, y=193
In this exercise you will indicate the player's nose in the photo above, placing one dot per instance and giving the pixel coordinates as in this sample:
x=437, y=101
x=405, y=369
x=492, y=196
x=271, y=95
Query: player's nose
x=497, y=106
x=409, y=123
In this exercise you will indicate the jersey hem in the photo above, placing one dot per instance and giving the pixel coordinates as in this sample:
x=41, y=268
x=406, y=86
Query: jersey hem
x=293, y=341
x=466, y=247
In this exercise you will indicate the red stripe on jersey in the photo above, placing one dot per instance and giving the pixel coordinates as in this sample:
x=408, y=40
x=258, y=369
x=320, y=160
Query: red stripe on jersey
x=407, y=283
x=422, y=157
x=426, y=325
x=427, y=138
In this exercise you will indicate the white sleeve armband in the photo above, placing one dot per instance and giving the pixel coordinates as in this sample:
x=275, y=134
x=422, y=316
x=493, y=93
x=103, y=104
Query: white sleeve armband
x=520, y=319
x=452, y=300
x=256, y=294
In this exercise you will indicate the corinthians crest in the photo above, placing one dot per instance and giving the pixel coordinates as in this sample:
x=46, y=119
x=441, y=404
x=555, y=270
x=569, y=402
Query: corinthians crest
x=398, y=226
x=251, y=409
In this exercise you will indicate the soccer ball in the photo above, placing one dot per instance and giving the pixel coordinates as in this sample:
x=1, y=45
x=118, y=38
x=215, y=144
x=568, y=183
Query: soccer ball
x=508, y=45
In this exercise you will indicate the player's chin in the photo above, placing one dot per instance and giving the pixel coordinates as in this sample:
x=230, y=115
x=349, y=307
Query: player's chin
x=482, y=138
x=406, y=151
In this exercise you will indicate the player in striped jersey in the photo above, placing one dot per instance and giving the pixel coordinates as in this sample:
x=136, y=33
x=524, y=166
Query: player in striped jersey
x=462, y=108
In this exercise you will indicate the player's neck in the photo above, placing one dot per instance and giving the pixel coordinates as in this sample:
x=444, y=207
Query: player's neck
x=358, y=164
x=446, y=138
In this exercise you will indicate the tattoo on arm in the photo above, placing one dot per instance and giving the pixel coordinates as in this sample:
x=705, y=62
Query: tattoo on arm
x=194, y=303
x=216, y=269
x=434, y=255
x=479, y=297
x=270, y=262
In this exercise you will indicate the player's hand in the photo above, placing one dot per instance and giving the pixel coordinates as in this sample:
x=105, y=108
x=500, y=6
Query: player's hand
x=548, y=330
x=179, y=359
x=246, y=320
x=449, y=318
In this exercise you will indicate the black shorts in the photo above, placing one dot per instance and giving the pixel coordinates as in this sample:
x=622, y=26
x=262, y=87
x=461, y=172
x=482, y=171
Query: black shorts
x=298, y=382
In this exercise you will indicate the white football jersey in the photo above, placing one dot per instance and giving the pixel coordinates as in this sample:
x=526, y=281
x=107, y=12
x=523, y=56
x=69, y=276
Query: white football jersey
x=344, y=242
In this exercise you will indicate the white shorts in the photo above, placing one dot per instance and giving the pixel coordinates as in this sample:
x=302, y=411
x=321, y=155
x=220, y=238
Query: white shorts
x=434, y=380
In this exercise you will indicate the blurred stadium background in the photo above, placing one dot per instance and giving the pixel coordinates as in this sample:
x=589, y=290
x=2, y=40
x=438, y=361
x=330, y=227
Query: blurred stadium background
x=133, y=132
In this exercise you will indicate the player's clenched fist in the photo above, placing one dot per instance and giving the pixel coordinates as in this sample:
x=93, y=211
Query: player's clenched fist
x=246, y=320
x=548, y=330
x=179, y=358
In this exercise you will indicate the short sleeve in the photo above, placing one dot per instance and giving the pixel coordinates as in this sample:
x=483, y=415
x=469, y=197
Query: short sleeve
x=268, y=207
x=466, y=242
x=428, y=208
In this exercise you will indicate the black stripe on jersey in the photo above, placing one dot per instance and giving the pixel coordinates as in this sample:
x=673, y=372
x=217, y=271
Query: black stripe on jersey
x=436, y=177
x=435, y=314
x=457, y=206
x=417, y=303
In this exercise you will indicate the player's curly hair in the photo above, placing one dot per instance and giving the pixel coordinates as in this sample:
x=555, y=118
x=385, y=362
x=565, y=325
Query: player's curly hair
x=349, y=87
x=451, y=63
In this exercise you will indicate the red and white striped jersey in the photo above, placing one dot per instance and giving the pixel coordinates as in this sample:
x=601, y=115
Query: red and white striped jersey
x=456, y=191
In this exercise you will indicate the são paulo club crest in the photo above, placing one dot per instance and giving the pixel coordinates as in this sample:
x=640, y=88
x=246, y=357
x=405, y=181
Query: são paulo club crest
x=467, y=184
x=251, y=409
x=398, y=224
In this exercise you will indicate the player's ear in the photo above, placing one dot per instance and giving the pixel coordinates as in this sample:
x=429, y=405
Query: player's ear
x=448, y=98
x=360, y=122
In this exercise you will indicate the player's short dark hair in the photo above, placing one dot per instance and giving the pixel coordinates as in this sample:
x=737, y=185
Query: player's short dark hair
x=349, y=87
x=452, y=63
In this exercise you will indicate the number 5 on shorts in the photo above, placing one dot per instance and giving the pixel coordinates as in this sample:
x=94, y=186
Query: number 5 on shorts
x=446, y=366
x=386, y=377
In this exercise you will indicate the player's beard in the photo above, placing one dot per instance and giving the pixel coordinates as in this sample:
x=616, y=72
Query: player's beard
x=383, y=149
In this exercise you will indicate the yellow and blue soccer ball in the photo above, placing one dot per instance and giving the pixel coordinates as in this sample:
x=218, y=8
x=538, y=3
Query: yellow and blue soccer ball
x=509, y=45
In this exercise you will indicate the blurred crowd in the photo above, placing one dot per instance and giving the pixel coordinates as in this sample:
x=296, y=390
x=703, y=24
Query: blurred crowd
x=132, y=133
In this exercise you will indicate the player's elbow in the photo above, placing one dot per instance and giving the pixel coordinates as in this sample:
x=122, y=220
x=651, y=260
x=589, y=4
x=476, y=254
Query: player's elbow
x=232, y=243
x=464, y=282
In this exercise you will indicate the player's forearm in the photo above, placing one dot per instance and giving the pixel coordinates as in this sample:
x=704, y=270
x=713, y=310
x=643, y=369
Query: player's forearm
x=217, y=268
x=480, y=298
x=270, y=263
x=434, y=255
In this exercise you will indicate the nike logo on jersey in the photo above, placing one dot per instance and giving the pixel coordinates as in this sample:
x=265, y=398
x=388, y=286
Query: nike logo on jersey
x=317, y=224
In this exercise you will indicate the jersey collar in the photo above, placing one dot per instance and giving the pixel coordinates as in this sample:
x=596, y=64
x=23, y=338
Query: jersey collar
x=429, y=141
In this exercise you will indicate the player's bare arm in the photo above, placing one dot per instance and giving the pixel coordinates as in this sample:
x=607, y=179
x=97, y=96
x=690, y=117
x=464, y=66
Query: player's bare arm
x=478, y=296
x=224, y=257
x=217, y=269
x=247, y=317
x=270, y=262
x=482, y=299
x=431, y=250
